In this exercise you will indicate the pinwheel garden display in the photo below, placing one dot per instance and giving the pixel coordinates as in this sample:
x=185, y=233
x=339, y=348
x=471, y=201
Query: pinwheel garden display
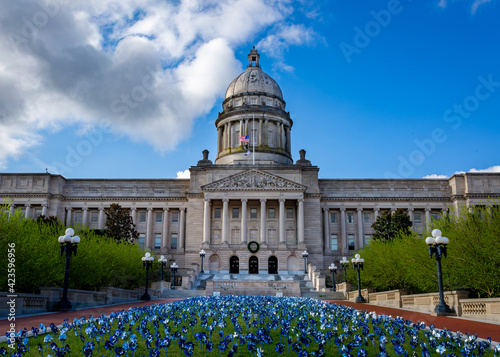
x=245, y=326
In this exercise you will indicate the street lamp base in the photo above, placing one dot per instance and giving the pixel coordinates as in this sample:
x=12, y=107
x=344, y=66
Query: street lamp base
x=442, y=309
x=360, y=299
x=63, y=305
x=202, y=272
x=146, y=297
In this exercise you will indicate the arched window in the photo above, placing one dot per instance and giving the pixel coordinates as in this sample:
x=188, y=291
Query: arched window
x=234, y=265
x=272, y=265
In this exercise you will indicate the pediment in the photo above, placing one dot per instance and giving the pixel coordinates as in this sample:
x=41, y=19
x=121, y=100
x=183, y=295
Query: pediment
x=253, y=180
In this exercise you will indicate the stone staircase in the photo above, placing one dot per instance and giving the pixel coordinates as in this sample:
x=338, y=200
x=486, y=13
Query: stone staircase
x=307, y=290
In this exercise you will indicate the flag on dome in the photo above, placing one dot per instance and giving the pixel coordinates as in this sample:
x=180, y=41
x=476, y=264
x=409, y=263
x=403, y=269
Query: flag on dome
x=244, y=139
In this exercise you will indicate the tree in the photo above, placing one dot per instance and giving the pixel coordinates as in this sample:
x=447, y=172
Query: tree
x=119, y=224
x=388, y=226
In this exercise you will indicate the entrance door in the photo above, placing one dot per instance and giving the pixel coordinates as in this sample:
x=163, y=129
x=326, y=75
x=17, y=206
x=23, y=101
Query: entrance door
x=234, y=265
x=253, y=265
x=272, y=264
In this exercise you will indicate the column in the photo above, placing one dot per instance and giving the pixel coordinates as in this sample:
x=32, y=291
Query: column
x=100, y=223
x=266, y=139
x=289, y=140
x=12, y=209
x=133, y=213
x=261, y=138
x=182, y=228
x=427, y=217
x=246, y=128
x=278, y=135
x=300, y=221
x=44, y=210
x=263, y=221
x=343, y=230
x=241, y=130
x=218, y=140
x=326, y=229
x=229, y=139
x=149, y=220
x=225, y=219
x=206, y=221
x=244, y=220
x=68, y=215
x=282, y=221
x=375, y=215
x=164, y=233
x=224, y=137
x=360, y=228
x=27, y=211
x=410, y=213
x=84, y=215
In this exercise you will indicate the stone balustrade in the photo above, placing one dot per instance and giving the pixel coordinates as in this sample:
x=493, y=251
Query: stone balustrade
x=79, y=298
x=24, y=304
x=352, y=295
x=288, y=288
x=427, y=302
x=387, y=298
x=484, y=309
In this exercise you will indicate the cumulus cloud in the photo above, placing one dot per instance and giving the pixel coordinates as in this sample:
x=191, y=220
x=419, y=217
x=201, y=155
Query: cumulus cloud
x=489, y=169
x=141, y=68
x=183, y=174
x=495, y=169
x=435, y=176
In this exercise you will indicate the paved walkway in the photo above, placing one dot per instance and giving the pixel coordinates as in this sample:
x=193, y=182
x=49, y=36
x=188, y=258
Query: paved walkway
x=482, y=329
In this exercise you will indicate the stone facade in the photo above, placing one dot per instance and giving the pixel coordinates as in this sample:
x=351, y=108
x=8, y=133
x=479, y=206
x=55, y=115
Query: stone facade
x=252, y=193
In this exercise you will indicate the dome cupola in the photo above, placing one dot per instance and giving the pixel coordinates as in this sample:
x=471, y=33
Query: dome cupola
x=253, y=107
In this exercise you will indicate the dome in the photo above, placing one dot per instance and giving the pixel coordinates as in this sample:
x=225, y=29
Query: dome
x=254, y=80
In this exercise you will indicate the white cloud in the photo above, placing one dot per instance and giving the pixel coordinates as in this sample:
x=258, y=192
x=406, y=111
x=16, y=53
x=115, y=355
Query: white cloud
x=435, y=176
x=489, y=169
x=476, y=4
x=442, y=3
x=183, y=174
x=145, y=68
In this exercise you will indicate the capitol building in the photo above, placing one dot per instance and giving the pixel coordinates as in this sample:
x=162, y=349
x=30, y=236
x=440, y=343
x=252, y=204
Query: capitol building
x=250, y=206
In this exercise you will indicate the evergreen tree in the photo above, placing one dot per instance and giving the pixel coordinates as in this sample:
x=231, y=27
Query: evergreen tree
x=119, y=224
x=388, y=226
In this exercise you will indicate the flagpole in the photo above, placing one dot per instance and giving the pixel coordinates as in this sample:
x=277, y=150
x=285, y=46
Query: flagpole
x=253, y=132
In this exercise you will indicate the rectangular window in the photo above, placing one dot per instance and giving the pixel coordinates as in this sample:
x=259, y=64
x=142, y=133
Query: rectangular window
x=236, y=212
x=216, y=212
x=333, y=218
x=350, y=241
x=23, y=212
x=434, y=216
x=417, y=218
x=78, y=217
x=366, y=218
x=270, y=138
x=38, y=212
x=271, y=235
x=254, y=235
x=142, y=217
x=350, y=218
x=159, y=217
x=289, y=213
x=175, y=217
x=253, y=137
x=253, y=212
x=253, y=100
x=290, y=236
x=368, y=238
x=271, y=213
x=217, y=236
x=236, y=139
x=142, y=240
x=157, y=240
x=334, y=243
x=94, y=217
x=235, y=236
x=173, y=241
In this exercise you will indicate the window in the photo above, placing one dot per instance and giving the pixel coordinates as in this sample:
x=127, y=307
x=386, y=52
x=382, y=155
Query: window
x=417, y=218
x=94, y=217
x=216, y=212
x=290, y=236
x=333, y=218
x=253, y=137
x=173, y=241
x=270, y=138
x=23, y=212
x=271, y=235
x=289, y=213
x=235, y=236
x=78, y=217
x=271, y=213
x=142, y=217
x=350, y=241
x=253, y=235
x=334, y=243
x=236, y=212
x=350, y=218
x=236, y=139
x=216, y=237
x=159, y=217
x=38, y=212
x=175, y=217
x=157, y=240
x=434, y=216
x=368, y=238
x=142, y=240
x=253, y=100
x=366, y=218
x=253, y=212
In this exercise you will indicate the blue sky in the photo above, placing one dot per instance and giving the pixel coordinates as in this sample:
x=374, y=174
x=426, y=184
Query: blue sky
x=132, y=88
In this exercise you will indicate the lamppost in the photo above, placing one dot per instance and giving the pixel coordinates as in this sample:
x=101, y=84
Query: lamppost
x=357, y=263
x=163, y=262
x=437, y=247
x=68, y=245
x=202, y=255
x=345, y=264
x=333, y=270
x=173, y=268
x=147, y=262
x=305, y=254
